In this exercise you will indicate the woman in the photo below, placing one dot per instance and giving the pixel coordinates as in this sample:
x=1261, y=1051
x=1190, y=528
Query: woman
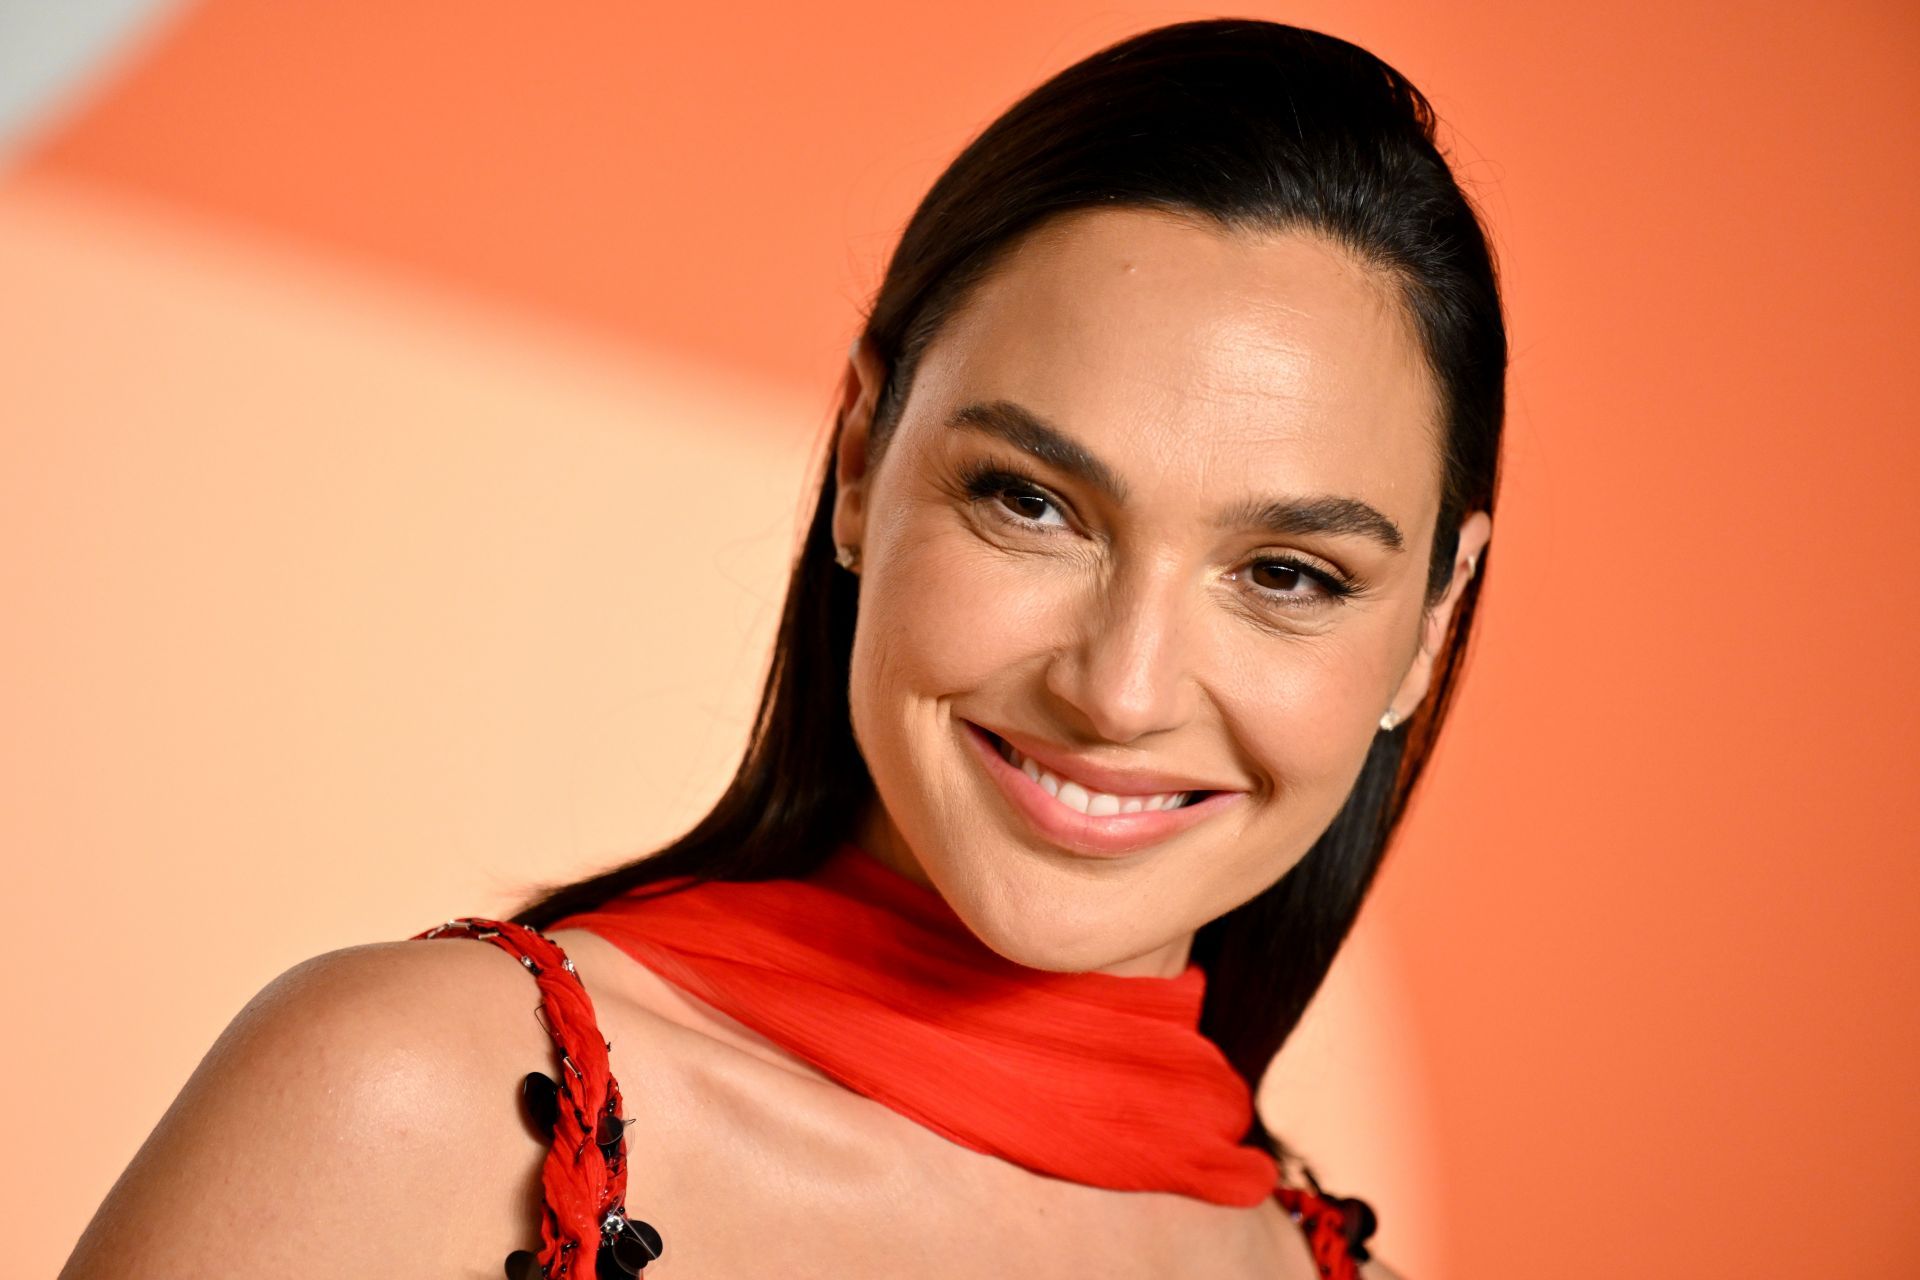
x=1128, y=615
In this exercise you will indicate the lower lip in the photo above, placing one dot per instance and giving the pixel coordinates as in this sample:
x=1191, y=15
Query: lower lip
x=1105, y=837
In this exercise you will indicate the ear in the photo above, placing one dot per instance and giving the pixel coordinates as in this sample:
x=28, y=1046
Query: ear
x=1475, y=530
x=852, y=475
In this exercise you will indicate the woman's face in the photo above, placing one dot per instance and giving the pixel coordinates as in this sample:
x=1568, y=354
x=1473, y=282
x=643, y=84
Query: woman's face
x=1157, y=518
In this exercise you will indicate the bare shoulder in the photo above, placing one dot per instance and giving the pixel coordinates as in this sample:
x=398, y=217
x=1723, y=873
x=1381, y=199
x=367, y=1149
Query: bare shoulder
x=1374, y=1269
x=359, y=1116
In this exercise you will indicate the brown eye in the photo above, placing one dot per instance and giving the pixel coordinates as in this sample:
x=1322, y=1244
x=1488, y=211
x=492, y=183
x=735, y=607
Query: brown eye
x=1022, y=503
x=1025, y=503
x=1278, y=575
x=1291, y=583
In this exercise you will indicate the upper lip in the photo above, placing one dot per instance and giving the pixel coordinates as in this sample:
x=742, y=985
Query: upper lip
x=1097, y=777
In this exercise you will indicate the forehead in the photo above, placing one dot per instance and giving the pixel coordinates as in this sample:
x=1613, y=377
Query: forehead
x=1175, y=348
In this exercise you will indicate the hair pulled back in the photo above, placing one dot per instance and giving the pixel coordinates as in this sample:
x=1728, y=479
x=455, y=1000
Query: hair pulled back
x=1258, y=127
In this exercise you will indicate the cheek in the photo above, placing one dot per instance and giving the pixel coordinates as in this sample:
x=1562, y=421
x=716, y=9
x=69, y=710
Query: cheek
x=1307, y=710
x=941, y=614
x=943, y=620
x=1305, y=718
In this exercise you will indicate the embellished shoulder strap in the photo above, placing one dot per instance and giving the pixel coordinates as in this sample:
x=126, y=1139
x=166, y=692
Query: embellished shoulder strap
x=1337, y=1227
x=584, y=1228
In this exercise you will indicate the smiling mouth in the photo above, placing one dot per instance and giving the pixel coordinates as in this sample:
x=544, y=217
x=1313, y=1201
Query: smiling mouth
x=1085, y=800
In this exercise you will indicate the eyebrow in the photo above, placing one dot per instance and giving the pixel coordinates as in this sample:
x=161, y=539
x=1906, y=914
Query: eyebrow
x=1034, y=435
x=1029, y=432
x=1315, y=515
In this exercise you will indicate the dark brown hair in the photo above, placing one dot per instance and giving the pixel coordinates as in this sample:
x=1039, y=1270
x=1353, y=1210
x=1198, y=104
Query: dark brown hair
x=1255, y=126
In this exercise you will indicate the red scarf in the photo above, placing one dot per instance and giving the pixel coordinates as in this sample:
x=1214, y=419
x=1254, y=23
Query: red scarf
x=873, y=979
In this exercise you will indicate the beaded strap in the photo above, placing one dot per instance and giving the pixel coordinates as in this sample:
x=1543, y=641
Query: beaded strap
x=1336, y=1228
x=584, y=1176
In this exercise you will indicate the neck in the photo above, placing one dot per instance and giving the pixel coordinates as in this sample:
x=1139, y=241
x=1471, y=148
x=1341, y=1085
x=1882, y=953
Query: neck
x=876, y=833
x=873, y=981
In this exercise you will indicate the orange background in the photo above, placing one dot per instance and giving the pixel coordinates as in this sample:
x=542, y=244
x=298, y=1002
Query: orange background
x=406, y=409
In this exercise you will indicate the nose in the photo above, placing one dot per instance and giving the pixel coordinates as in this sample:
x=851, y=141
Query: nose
x=1128, y=671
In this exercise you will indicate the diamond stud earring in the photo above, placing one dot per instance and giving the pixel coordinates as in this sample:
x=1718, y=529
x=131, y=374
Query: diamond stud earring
x=847, y=556
x=1388, y=720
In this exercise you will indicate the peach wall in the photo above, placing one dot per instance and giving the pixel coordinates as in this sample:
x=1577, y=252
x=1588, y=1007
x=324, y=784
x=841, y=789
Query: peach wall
x=347, y=361
x=343, y=606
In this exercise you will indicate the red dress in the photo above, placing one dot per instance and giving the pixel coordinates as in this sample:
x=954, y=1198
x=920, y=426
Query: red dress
x=585, y=1227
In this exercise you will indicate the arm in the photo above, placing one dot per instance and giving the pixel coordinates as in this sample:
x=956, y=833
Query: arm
x=360, y=1116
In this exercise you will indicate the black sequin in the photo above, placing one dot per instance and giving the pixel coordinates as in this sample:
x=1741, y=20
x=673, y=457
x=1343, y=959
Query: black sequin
x=540, y=1098
x=628, y=1251
x=1357, y=1222
x=609, y=1132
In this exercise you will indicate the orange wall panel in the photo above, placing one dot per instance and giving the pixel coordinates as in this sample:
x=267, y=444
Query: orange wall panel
x=1654, y=923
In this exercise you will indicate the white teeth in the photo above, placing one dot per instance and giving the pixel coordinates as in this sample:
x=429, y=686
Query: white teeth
x=1095, y=804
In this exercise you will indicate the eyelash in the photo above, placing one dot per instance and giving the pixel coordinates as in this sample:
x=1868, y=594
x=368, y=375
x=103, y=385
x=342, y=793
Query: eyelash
x=986, y=482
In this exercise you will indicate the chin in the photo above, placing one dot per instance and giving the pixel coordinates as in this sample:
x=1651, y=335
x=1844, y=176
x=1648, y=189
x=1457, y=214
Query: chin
x=1049, y=919
x=1037, y=948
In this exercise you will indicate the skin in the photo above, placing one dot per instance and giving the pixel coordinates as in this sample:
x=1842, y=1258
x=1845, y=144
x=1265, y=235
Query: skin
x=1205, y=369
x=359, y=1117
